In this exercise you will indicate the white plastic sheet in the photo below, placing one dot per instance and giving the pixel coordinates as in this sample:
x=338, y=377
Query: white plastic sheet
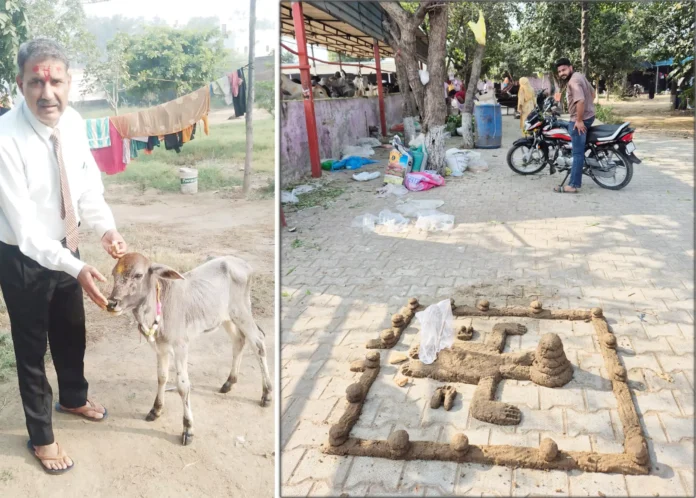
x=437, y=330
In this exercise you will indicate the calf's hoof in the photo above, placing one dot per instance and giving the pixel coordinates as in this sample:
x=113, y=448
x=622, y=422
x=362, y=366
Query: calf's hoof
x=186, y=438
x=265, y=399
x=226, y=387
x=152, y=416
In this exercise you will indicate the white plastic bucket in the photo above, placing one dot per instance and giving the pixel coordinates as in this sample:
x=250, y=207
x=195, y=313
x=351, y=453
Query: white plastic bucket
x=189, y=180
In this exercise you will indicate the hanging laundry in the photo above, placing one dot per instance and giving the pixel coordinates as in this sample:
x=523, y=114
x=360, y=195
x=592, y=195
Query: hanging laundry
x=98, y=133
x=136, y=146
x=126, y=151
x=110, y=159
x=235, y=82
x=206, y=130
x=187, y=134
x=222, y=87
x=152, y=142
x=165, y=119
x=240, y=100
x=173, y=141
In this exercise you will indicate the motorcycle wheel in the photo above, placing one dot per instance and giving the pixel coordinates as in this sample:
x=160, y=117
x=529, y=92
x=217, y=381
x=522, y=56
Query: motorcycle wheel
x=626, y=163
x=535, y=165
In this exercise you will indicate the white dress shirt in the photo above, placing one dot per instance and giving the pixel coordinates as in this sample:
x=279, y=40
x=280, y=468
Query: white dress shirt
x=30, y=187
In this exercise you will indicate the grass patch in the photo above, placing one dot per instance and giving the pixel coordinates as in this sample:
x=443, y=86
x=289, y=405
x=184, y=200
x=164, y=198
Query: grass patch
x=219, y=158
x=6, y=475
x=319, y=197
x=7, y=357
x=606, y=115
x=296, y=244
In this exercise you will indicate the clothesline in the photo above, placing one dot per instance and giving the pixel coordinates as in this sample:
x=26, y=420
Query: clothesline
x=116, y=140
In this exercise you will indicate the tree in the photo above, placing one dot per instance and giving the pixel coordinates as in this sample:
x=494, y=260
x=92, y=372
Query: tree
x=250, y=98
x=111, y=75
x=203, y=23
x=479, y=30
x=287, y=57
x=13, y=31
x=403, y=27
x=65, y=22
x=584, y=26
x=170, y=62
x=461, y=43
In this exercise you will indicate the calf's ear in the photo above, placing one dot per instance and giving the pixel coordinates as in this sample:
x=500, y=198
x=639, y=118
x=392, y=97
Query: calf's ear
x=163, y=271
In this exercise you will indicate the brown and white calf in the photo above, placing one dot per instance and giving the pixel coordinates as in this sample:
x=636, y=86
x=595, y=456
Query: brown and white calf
x=172, y=309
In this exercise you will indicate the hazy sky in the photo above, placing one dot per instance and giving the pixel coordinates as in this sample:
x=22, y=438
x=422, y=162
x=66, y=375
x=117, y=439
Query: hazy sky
x=181, y=12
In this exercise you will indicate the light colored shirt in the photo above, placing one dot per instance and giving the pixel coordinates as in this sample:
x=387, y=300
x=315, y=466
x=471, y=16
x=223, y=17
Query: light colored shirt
x=579, y=90
x=30, y=187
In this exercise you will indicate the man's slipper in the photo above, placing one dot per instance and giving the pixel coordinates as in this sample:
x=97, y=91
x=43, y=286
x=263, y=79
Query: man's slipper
x=60, y=409
x=60, y=456
x=561, y=190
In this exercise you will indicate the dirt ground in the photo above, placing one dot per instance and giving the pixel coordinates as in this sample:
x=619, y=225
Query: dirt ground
x=233, y=450
x=654, y=115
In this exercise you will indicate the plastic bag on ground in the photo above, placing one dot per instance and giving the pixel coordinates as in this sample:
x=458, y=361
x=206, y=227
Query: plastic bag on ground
x=437, y=330
x=369, y=141
x=390, y=188
x=365, y=176
x=478, y=165
x=357, y=150
x=288, y=197
x=302, y=189
x=417, y=141
x=393, y=222
x=412, y=208
x=422, y=180
x=434, y=221
x=353, y=162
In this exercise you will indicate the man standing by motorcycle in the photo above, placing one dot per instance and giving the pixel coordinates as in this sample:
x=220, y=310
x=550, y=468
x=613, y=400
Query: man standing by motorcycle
x=580, y=98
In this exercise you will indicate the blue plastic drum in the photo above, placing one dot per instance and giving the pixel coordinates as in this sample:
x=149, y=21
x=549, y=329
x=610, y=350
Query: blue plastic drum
x=489, y=126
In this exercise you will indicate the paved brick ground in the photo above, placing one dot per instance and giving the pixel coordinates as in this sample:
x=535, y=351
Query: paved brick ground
x=514, y=240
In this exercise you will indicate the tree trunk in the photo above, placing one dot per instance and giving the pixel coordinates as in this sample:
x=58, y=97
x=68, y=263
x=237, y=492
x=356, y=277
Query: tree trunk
x=435, y=113
x=584, y=37
x=250, y=98
x=467, y=131
x=410, y=109
x=673, y=93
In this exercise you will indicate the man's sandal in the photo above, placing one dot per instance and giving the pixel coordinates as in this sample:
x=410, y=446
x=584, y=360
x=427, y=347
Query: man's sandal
x=61, y=455
x=60, y=409
x=561, y=190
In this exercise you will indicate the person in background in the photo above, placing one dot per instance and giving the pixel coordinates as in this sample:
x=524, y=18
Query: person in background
x=49, y=186
x=459, y=98
x=526, y=101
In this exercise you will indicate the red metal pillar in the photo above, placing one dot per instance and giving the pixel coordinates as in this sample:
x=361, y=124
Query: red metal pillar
x=380, y=90
x=305, y=77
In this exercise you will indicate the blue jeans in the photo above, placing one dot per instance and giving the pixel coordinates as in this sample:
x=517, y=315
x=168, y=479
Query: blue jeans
x=578, y=141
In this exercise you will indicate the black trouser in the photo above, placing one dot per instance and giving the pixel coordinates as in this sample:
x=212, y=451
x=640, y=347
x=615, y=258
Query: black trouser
x=43, y=304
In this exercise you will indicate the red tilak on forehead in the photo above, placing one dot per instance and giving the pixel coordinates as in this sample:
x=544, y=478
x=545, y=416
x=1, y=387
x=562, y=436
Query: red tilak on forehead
x=46, y=70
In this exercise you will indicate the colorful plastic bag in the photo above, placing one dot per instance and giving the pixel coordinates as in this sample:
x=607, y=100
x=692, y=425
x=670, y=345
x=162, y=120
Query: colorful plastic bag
x=420, y=180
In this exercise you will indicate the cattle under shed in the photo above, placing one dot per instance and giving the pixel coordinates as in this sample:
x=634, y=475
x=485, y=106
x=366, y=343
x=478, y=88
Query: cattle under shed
x=354, y=29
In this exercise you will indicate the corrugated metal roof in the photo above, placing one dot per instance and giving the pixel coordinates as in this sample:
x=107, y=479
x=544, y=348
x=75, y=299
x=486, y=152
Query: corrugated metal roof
x=345, y=27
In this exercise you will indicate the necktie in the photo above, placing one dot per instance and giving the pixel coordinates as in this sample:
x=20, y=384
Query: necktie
x=67, y=212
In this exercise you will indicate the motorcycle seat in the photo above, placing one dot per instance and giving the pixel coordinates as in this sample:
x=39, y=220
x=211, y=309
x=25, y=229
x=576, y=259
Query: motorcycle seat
x=605, y=132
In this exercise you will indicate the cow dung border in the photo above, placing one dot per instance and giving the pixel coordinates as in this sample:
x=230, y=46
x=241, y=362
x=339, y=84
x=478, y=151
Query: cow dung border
x=635, y=460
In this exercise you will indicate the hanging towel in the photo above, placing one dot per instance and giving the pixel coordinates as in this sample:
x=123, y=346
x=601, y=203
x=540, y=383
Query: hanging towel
x=206, y=130
x=110, y=159
x=223, y=84
x=165, y=119
x=98, y=133
x=173, y=141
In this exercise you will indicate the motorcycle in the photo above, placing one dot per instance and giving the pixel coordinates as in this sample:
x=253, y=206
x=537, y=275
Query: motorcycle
x=609, y=149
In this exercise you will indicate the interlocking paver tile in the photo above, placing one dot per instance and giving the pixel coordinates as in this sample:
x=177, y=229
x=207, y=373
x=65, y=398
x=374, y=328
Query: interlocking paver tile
x=630, y=252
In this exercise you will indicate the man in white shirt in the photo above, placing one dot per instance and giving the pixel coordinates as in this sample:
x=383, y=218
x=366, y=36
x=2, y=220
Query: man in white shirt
x=49, y=186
